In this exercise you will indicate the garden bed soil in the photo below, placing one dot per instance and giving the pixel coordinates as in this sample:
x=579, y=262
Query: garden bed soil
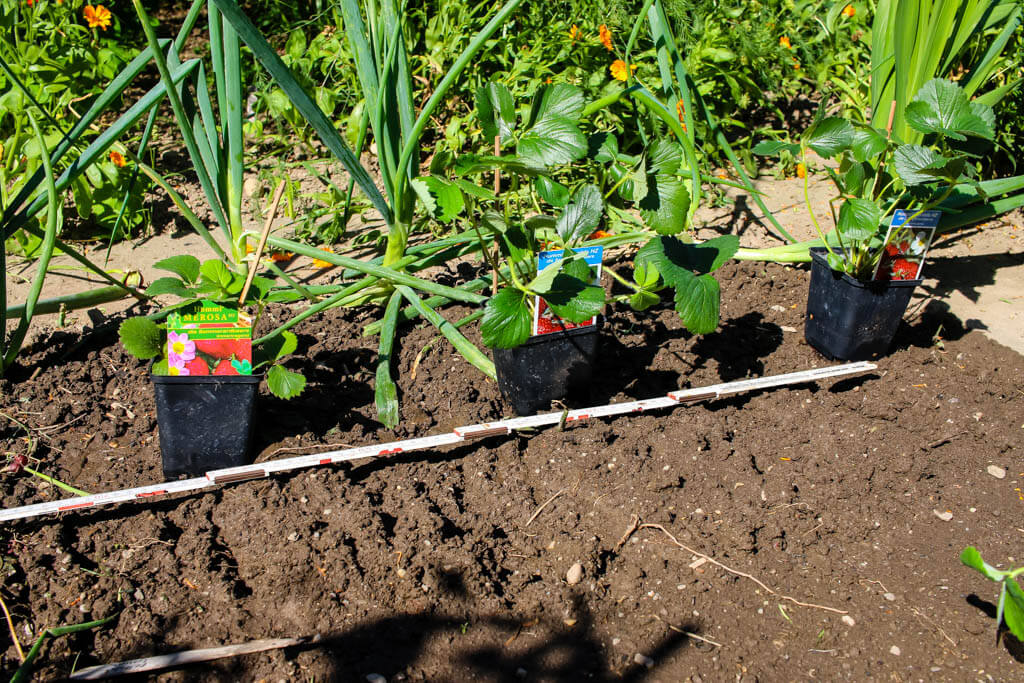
x=452, y=565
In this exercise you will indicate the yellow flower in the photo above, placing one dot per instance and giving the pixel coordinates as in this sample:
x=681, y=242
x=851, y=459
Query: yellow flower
x=619, y=71
x=681, y=111
x=117, y=158
x=320, y=263
x=606, y=36
x=575, y=33
x=784, y=42
x=801, y=170
x=849, y=11
x=98, y=16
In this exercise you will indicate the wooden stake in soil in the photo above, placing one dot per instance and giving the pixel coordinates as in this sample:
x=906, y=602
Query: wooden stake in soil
x=263, y=241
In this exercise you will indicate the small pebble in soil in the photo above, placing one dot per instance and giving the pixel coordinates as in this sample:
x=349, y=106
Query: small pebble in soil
x=574, y=575
x=643, y=660
x=889, y=596
x=375, y=678
x=848, y=620
x=895, y=650
x=944, y=516
x=997, y=471
x=520, y=672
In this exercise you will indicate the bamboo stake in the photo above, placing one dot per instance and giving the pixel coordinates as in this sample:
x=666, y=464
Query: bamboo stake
x=263, y=241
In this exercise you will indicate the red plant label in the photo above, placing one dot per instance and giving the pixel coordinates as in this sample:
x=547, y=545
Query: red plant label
x=209, y=339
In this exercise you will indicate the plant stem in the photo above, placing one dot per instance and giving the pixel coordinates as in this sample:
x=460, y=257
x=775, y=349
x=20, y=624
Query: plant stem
x=56, y=482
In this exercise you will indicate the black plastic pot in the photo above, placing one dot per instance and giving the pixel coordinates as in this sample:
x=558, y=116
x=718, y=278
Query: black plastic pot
x=852, y=320
x=205, y=421
x=546, y=368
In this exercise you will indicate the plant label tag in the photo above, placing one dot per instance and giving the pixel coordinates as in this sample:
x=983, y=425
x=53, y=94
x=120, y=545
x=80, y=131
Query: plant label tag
x=907, y=243
x=544, y=319
x=207, y=338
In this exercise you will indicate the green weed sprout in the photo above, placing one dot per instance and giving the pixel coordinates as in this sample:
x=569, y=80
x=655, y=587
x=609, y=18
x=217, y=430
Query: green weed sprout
x=1011, y=596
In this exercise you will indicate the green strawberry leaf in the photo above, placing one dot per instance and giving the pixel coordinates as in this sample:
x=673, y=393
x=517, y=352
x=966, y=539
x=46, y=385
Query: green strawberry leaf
x=697, y=302
x=168, y=285
x=773, y=147
x=631, y=180
x=916, y=165
x=552, y=192
x=676, y=260
x=829, y=137
x=552, y=141
x=542, y=283
x=442, y=199
x=141, y=337
x=642, y=300
x=561, y=99
x=867, y=144
x=184, y=266
x=573, y=299
x=858, y=219
x=602, y=147
x=507, y=321
x=942, y=107
x=284, y=383
x=581, y=217
x=496, y=111
x=665, y=206
x=666, y=157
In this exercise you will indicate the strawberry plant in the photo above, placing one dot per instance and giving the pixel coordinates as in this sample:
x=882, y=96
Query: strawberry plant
x=194, y=282
x=878, y=172
x=543, y=138
x=1011, y=596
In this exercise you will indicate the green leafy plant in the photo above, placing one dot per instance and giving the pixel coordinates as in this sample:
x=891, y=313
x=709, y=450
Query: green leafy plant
x=1011, y=597
x=545, y=138
x=878, y=173
x=194, y=282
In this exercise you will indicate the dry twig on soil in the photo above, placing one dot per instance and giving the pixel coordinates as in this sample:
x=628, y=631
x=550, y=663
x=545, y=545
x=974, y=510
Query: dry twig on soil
x=739, y=573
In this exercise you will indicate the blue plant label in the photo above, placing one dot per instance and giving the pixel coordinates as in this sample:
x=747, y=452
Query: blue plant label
x=544, y=320
x=906, y=244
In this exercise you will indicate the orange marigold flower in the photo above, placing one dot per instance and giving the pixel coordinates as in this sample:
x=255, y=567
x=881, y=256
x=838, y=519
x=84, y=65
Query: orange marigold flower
x=681, y=111
x=849, y=11
x=279, y=256
x=575, y=33
x=801, y=170
x=30, y=2
x=320, y=263
x=98, y=16
x=619, y=71
x=606, y=36
x=784, y=42
x=796, y=64
x=117, y=158
x=599, y=234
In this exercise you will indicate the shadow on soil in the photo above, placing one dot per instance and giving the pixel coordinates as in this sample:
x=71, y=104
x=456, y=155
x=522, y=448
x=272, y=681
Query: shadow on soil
x=566, y=654
x=497, y=649
x=1013, y=645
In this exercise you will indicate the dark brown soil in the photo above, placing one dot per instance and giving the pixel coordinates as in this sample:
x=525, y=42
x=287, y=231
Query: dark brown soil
x=424, y=566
